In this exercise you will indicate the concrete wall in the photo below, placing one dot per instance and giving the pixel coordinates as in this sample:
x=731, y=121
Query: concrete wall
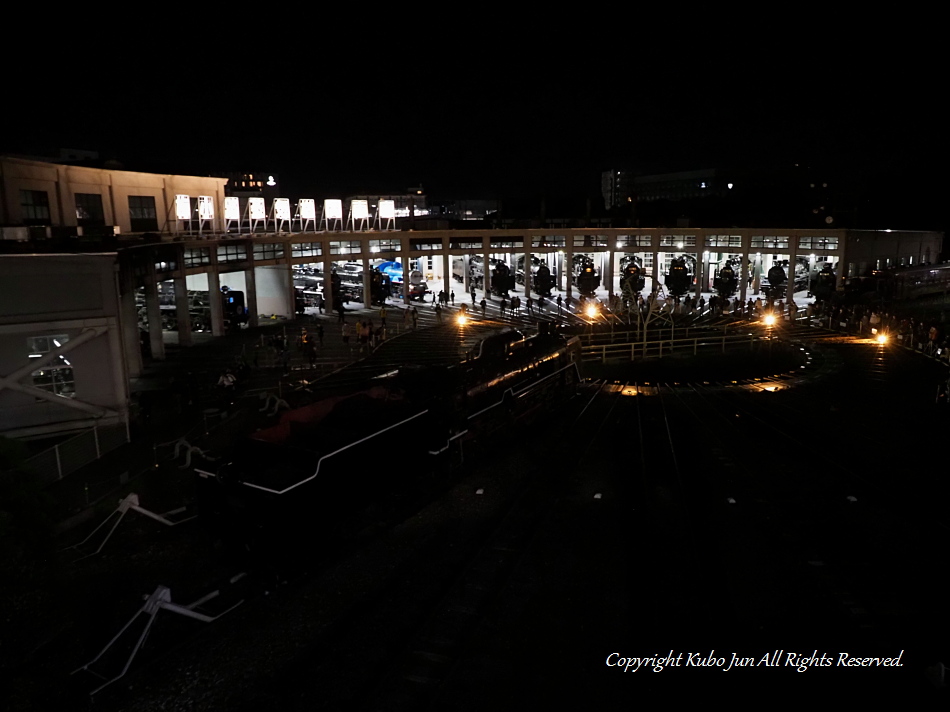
x=61, y=183
x=71, y=295
x=273, y=291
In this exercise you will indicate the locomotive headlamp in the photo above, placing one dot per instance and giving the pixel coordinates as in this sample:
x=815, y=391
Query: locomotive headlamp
x=882, y=338
x=769, y=320
x=591, y=311
x=461, y=319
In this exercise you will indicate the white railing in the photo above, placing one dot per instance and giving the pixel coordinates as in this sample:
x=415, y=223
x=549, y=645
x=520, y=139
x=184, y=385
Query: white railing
x=68, y=456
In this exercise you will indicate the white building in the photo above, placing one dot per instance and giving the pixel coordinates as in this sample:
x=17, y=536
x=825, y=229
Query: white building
x=62, y=365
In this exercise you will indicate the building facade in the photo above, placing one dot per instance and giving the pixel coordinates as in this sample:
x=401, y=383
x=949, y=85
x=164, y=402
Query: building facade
x=41, y=195
x=62, y=358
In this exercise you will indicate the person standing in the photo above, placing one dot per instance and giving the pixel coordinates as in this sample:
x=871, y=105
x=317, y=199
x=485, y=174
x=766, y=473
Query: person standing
x=484, y=304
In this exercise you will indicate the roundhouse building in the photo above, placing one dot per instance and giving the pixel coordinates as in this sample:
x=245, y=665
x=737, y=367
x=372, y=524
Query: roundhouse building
x=170, y=271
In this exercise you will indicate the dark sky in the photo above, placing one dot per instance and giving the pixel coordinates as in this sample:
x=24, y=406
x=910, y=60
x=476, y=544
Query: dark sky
x=498, y=125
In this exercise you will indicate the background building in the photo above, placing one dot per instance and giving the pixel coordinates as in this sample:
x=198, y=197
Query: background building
x=66, y=197
x=62, y=360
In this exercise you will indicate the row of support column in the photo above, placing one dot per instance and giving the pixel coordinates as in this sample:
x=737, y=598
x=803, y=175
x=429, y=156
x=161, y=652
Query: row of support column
x=564, y=271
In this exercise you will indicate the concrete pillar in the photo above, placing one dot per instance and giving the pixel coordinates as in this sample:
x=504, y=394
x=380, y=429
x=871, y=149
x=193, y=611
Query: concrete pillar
x=446, y=268
x=700, y=273
x=288, y=273
x=129, y=319
x=609, y=271
x=404, y=259
x=326, y=266
x=569, y=263
x=487, y=269
x=560, y=270
x=792, y=266
x=466, y=269
x=183, y=312
x=657, y=268
x=744, y=275
x=250, y=293
x=527, y=269
x=214, y=300
x=367, y=284
x=154, y=312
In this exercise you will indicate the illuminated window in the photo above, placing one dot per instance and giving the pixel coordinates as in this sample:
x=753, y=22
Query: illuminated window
x=386, y=245
x=142, y=213
x=769, y=242
x=724, y=240
x=89, y=209
x=34, y=205
x=549, y=241
x=677, y=240
x=590, y=241
x=345, y=247
x=818, y=243
x=232, y=253
x=306, y=249
x=57, y=376
x=271, y=251
x=425, y=243
x=506, y=244
x=197, y=257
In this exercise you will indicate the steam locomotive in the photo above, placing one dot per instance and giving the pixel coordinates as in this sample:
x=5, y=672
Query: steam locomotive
x=543, y=281
x=586, y=277
x=679, y=278
x=632, y=277
x=824, y=284
x=502, y=281
x=727, y=281
x=321, y=460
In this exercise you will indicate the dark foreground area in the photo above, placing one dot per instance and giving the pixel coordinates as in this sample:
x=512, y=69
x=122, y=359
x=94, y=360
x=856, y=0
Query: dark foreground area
x=740, y=540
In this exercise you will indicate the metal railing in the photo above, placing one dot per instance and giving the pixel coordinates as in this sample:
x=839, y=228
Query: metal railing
x=68, y=456
x=659, y=347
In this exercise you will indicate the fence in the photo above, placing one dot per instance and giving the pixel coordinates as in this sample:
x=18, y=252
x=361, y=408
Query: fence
x=634, y=350
x=68, y=456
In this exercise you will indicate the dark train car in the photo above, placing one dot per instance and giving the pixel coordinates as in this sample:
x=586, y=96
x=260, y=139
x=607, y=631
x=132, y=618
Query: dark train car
x=502, y=281
x=380, y=286
x=586, y=277
x=325, y=462
x=679, y=278
x=775, y=280
x=632, y=278
x=824, y=284
x=908, y=283
x=543, y=281
x=726, y=282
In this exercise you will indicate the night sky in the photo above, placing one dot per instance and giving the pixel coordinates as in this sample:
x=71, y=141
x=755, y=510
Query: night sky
x=518, y=124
